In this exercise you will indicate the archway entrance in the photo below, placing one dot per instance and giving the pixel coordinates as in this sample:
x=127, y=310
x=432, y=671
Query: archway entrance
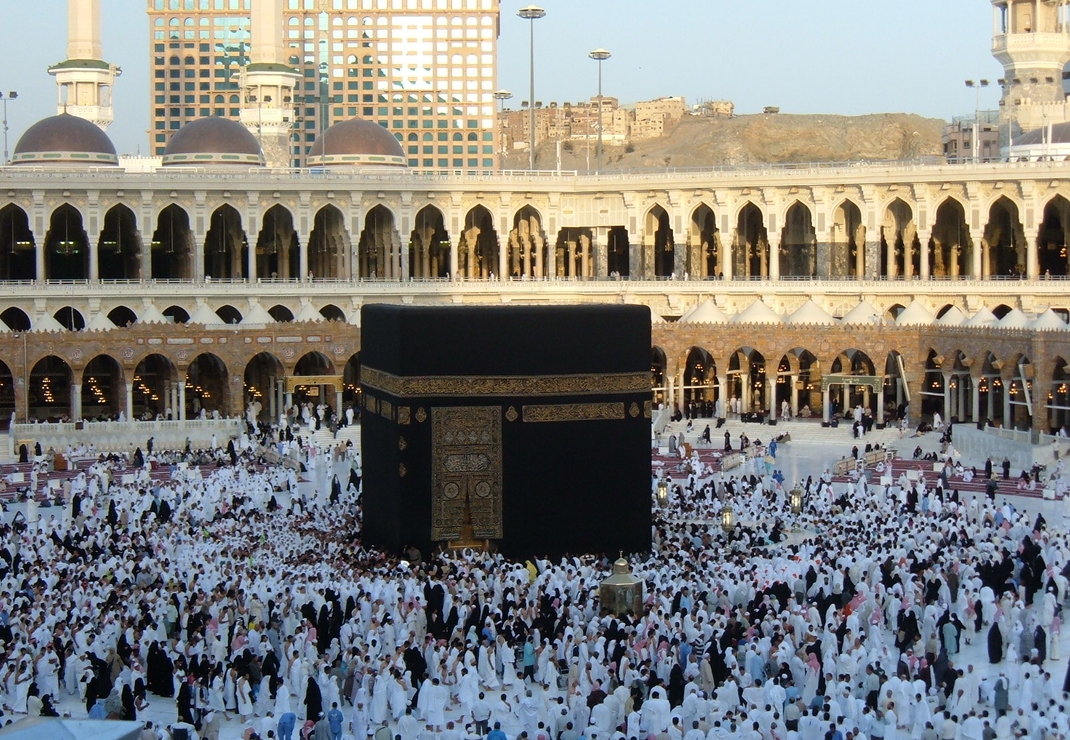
x=49, y=397
x=751, y=253
x=278, y=253
x=155, y=389
x=66, y=246
x=103, y=389
x=264, y=387
x=18, y=253
x=206, y=388
x=172, y=246
x=119, y=248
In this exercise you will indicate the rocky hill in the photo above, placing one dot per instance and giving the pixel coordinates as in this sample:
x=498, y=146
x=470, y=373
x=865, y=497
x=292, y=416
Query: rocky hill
x=759, y=139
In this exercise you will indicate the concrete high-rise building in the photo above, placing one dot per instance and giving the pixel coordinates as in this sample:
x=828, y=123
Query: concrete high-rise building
x=1031, y=39
x=424, y=69
x=84, y=79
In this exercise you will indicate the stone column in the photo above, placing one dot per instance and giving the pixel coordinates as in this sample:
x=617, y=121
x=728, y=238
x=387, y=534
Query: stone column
x=94, y=255
x=76, y=400
x=129, y=401
x=880, y=405
x=794, y=379
x=722, y=394
x=923, y=238
x=40, y=270
x=338, y=402
x=773, y=273
x=1007, y=418
x=947, y=397
x=975, y=400
x=273, y=400
x=182, y=400
x=826, y=402
x=1032, y=264
x=145, y=256
x=770, y=398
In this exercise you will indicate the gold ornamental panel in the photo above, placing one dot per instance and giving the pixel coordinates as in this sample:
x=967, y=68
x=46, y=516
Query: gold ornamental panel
x=574, y=412
x=505, y=385
x=466, y=472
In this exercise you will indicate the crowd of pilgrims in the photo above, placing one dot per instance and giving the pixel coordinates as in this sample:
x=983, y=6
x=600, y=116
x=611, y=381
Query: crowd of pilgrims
x=249, y=603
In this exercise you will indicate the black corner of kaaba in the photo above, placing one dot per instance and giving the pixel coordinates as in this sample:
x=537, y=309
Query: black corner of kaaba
x=528, y=427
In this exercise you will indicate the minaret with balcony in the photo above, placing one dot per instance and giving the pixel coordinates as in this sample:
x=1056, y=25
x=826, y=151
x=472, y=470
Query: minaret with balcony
x=268, y=85
x=1031, y=39
x=84, y=79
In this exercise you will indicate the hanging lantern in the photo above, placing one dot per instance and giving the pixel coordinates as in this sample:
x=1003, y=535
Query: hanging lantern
x=728, y=518
x=663, y=493
x=796, y=497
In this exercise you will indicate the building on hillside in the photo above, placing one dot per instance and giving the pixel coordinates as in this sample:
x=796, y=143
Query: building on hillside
x=654, y=117
x=959, y=143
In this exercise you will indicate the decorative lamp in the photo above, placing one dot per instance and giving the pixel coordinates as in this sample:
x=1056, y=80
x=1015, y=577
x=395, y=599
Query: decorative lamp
x=622, y=592
x=663, y=493
x=728, y=518
x=796, y=497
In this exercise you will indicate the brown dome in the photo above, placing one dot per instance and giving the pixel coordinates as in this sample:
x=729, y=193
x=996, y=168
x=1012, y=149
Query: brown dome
x=64, y=139
x=356, y=142
x=213, y=141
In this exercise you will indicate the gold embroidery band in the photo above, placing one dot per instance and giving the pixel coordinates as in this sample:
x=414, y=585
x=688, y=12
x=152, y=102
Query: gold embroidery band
x=575, y=412
x=506, y=385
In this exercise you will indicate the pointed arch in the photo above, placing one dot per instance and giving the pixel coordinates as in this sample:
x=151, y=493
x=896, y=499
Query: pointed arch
x=66, y=245
x=900, y=248
x=429, y=245
x=527, y=255
x=478, y=249
x=155, y=378
x=751, y=252
x=847, y=242
x=49, y=389
x=659, y=247
x=18, y=248
x=119, y=247
x=278, y=252
x=172, y=247
x=798, y=243
x=226, y=247
x=1053, y=238
x=951, y=242
x=103, y=388
x=207, y=381
x=379, y=250
x=706, y=256
x=330, y=253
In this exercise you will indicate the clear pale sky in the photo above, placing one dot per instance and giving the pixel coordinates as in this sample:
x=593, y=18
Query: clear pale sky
x=828, y=56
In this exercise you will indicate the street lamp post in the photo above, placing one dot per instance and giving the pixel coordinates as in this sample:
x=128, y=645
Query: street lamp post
x=501, y=96
x=977, y=87
x=10, y=96
x=600, y=55
x=532, y=13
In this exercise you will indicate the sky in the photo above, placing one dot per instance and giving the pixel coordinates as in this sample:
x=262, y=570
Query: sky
x=845, y=57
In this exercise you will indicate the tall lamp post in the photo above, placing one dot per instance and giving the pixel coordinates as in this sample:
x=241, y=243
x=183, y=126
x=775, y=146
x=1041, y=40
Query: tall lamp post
x=532, y=13
x=977, y=87
x=10, y=96
x=600, y=55
x=501, y=96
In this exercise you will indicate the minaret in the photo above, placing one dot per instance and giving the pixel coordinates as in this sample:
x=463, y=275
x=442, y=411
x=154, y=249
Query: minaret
x=1031, y=38
x=268, y=84
x=85, y=80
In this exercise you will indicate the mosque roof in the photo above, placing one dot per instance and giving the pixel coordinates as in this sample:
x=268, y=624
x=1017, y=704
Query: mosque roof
x=206, y=316
x=810, y=313
x=914, y=315
x=861, y=314
x=1015, y=319
x=704, y=313
x=1050, y=320
x=357, y=142
x=213, y=141
x=152, y=315
x=258, y=315
x=757, y=313
x=100, y=322
x=952, y=317
x=47, y=323
x=1060, y=134
x=64, y=139
x=983, y=317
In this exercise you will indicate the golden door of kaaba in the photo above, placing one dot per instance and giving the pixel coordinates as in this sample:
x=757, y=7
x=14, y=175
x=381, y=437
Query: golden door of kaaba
x=466, y=473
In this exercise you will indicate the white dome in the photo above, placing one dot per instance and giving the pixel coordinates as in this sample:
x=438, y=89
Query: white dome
x=308, y=312
x=47, y=322
x=1050, y=320
x=810, y=313
x=152, y=315
x=952, y=317
x=257, y=315
x=655, y=317
x=704, y=313
x=914, y=315
x=100, y=322
x=861, y=314
x=1015, y=319
x=983, y=317
x=206, y=316
x=757, y=313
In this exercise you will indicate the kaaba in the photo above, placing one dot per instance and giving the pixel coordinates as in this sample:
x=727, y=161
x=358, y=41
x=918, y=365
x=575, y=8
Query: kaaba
x=523, y=428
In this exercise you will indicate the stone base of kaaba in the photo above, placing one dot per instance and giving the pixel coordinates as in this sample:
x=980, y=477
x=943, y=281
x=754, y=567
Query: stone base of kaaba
x=528, y=427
